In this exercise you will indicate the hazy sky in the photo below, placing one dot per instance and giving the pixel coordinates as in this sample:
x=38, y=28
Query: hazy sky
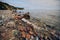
x=35, y=4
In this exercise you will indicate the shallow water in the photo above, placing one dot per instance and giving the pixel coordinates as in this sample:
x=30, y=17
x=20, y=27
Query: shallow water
x=51, y=17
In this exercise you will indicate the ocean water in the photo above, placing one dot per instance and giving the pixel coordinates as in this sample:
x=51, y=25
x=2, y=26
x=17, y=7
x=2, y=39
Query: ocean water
x=50, y=17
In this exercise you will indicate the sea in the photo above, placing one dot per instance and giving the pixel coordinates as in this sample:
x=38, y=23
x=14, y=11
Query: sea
x=50, y=17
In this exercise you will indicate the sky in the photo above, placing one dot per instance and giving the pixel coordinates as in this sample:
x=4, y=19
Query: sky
x=35, y=4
